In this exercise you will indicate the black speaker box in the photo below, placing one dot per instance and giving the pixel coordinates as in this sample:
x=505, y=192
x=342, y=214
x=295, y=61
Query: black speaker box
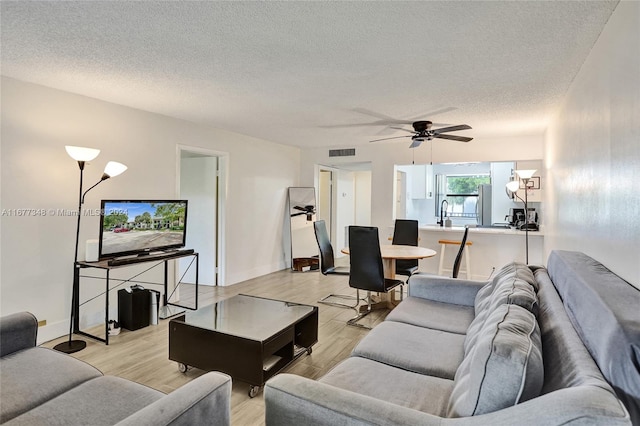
x=134, y=308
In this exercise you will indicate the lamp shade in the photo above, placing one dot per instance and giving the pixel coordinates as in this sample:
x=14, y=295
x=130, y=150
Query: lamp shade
x=513, y=186
x=114, y=168
x=80, y=153
x=525, y=174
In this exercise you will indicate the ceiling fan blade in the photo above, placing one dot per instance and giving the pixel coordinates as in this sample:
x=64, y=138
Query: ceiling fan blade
x=416, y=143
x=373, y=114
x=334, y=126
x=436, y=112
x=383, y=119
x=402, y=128
x=386, y=139
x=453, y=138
x=452, y=128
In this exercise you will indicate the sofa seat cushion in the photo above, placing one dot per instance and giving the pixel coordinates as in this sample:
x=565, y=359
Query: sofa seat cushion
x=105, y=400
x=421, y=350
x=33, y=376
x=431, y=314
x=417, y=391
x=503, y=368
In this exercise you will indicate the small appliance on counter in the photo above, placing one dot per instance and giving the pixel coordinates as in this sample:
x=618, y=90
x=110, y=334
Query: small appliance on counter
x=517, y=219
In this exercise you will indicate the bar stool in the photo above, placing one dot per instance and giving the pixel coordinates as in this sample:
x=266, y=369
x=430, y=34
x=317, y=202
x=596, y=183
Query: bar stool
x=466, y=253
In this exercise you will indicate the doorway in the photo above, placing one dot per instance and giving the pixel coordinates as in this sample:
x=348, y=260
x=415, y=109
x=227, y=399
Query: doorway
x=344, y=198
x=200, y=181
x=325, y=198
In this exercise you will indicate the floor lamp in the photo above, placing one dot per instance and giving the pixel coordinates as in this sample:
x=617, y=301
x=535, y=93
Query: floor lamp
x=82, y=156
x=513, y=186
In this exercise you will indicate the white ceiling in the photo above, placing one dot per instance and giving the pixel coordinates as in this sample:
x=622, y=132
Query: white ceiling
x=288, y=71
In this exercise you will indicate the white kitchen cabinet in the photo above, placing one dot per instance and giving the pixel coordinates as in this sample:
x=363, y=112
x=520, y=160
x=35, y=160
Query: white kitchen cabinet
x=422, y=181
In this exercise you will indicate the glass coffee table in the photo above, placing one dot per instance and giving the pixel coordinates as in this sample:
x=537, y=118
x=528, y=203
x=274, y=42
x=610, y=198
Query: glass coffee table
x=250, y=338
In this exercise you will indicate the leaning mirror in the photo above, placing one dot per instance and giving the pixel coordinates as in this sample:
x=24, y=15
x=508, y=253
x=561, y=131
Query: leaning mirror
x=302, y=214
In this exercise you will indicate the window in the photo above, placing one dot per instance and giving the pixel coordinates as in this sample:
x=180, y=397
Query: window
x=461, y=194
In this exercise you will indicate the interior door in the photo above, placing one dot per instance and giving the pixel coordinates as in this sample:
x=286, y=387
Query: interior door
x=199, y=185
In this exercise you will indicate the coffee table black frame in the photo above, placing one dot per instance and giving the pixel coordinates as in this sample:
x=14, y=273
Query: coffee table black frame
x=250, y=338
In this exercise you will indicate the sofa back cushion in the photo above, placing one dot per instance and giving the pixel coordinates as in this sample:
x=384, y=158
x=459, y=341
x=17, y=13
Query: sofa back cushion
x=504, y=366
x=510, y=271
x=510, y=288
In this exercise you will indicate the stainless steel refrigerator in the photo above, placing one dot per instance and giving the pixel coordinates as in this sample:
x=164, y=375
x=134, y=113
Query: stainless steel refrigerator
x=483, y=207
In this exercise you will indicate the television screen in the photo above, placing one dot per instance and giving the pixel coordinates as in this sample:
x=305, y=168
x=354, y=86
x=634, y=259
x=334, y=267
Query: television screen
x=141, y=226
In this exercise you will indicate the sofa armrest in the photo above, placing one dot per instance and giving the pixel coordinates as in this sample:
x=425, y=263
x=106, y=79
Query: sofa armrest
x=17, y=331
x=203, y=401
x=444, y=289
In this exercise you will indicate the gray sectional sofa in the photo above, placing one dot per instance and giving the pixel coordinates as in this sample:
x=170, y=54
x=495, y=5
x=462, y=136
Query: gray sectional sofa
x=40, y=386
x=533, y=346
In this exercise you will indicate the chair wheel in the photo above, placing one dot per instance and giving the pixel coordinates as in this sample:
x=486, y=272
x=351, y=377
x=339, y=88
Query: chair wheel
x=182, y=367
x=309, y=350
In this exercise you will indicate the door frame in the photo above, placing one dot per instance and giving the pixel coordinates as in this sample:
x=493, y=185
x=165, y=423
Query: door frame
x=221, y=201
x=332, y=210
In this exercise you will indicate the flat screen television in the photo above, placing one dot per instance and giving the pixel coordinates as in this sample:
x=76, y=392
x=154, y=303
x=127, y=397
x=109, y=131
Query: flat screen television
x=129, y=227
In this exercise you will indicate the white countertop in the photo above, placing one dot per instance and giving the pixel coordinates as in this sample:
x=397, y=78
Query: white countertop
x=460, y=229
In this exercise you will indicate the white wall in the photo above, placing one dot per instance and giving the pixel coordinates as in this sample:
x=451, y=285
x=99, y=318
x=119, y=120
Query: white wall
x=593, y=153
x=37, y=252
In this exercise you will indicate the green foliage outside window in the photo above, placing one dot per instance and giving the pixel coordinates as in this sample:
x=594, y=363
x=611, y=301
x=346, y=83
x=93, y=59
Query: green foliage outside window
x=465, y=186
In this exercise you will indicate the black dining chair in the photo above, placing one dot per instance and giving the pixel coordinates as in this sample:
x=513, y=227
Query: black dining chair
x=458, y=261
x=405, y=232
x=367, y=270
x=327, y=265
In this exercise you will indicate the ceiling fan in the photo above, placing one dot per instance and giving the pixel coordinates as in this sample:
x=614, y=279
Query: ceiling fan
x=386, y=121
x=306, y=210
x=422, y=131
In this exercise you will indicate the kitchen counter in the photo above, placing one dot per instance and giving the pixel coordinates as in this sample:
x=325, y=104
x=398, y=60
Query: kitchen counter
x=491, y=248
x=476, y=230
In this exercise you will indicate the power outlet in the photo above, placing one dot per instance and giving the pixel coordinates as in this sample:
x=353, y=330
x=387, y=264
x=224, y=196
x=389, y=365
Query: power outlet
x=42, y=323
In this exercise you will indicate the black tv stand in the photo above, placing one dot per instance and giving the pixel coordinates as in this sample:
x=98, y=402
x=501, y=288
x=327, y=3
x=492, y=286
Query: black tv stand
x=167, y=309
x=148, y=257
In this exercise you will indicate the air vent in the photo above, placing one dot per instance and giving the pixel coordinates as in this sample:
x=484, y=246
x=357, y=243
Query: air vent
x=342, y=152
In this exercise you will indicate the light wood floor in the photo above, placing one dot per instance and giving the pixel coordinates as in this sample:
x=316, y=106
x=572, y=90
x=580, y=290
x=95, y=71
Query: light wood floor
x=142, y=355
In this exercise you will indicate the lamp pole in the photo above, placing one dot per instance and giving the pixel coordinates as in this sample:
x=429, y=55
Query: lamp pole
x=82, y=155
x=526, y=219
x=512, y=191
x=72, y=346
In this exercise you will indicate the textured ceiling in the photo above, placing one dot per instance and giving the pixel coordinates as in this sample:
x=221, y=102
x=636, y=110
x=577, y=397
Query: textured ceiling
x=289, y=71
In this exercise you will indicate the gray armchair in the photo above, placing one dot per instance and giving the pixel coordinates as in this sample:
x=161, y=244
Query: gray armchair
x=42, y=386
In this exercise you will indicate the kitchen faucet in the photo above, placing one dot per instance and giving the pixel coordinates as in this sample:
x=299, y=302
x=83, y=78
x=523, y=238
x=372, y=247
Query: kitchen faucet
x=443, y=210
